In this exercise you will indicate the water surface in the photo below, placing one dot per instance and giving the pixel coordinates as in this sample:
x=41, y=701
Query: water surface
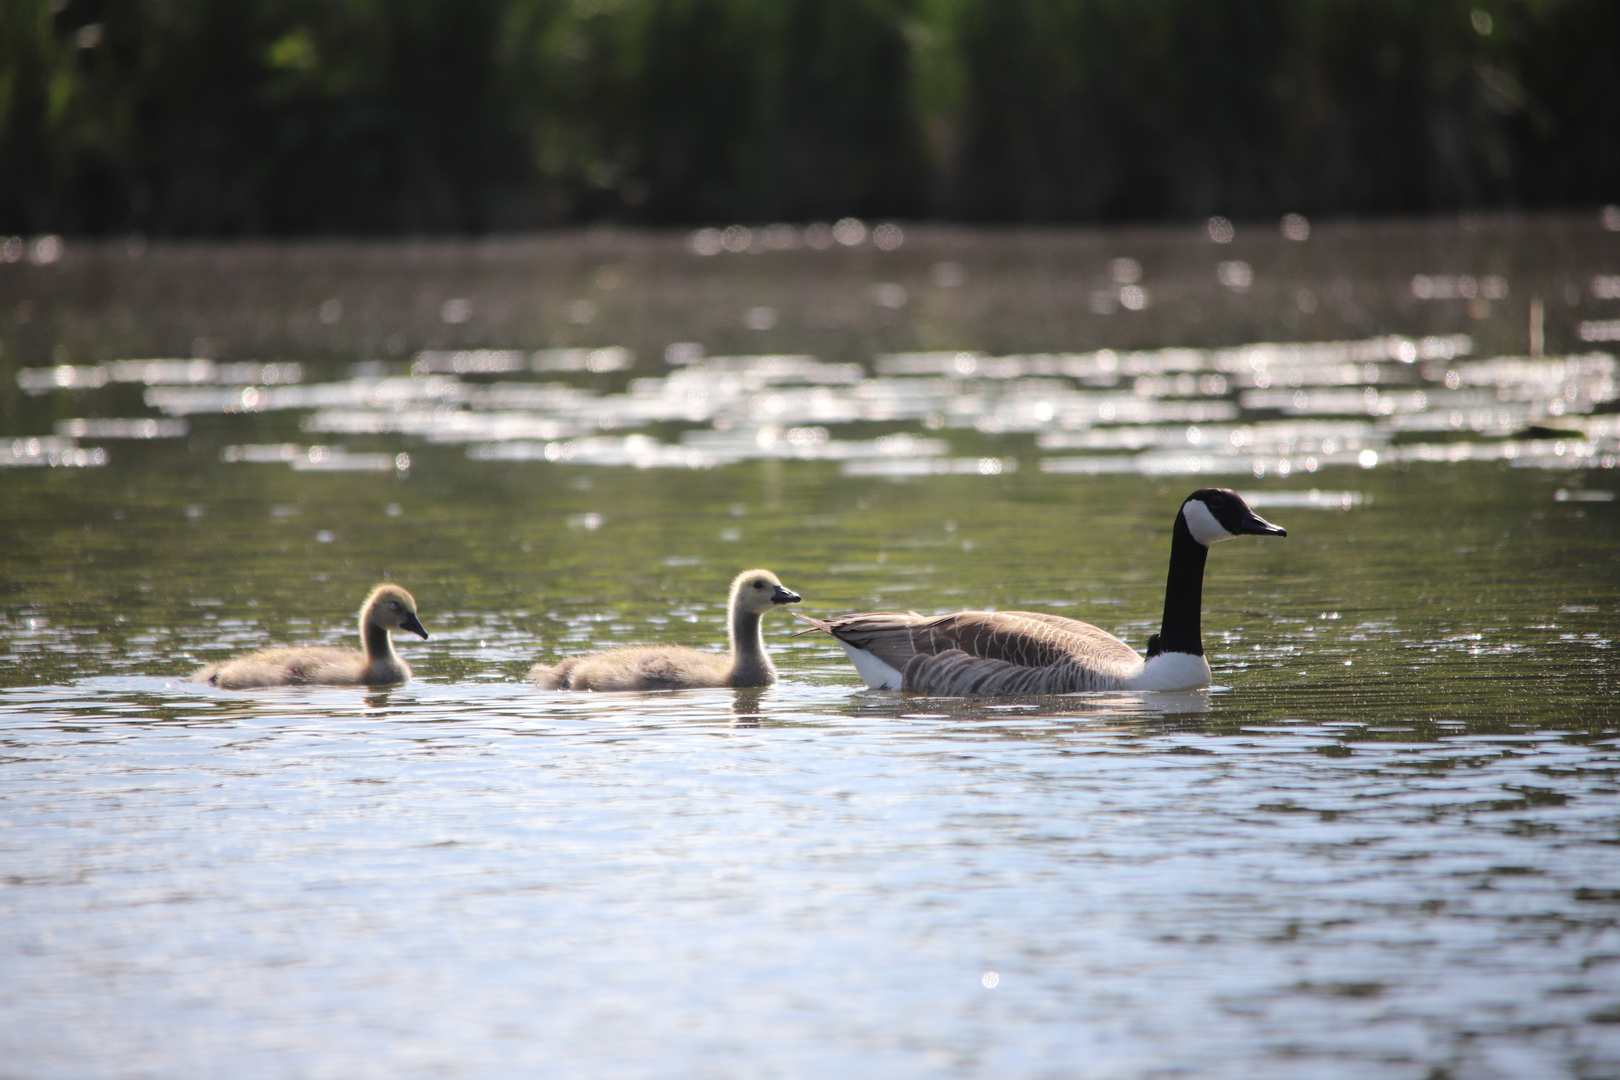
x=1383, y=845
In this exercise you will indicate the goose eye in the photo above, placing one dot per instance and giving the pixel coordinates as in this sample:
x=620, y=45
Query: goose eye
x=1216, y=502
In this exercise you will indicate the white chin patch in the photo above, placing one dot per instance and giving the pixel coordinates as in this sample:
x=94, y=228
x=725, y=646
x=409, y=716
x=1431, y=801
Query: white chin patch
x=1202, y=524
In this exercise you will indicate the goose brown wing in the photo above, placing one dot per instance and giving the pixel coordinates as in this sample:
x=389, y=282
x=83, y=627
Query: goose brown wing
x=1020, y=640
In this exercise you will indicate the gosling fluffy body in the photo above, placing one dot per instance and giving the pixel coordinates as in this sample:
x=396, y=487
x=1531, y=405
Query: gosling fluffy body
x=675, y=667
x=387, y=608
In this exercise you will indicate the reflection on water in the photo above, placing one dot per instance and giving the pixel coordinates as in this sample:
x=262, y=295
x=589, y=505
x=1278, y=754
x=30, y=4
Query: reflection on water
x=800, y=881
x=1382, y=845
x=1179, y=410
x=1425, y=341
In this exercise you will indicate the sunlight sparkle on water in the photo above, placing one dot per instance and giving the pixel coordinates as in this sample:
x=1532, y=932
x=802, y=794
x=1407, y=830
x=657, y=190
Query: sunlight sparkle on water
x=1380, y=845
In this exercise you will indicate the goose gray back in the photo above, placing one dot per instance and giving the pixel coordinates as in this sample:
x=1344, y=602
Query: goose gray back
x=968, y=653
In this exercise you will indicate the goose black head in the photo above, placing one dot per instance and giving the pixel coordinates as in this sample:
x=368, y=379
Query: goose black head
x=1216, y=514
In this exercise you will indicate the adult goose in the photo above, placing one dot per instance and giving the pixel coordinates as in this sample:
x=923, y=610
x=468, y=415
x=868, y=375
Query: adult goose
x=387, y=608
x=1021, y=652
x=674, y=667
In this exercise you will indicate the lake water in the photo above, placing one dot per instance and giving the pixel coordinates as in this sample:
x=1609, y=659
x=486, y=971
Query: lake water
x=1386, y=844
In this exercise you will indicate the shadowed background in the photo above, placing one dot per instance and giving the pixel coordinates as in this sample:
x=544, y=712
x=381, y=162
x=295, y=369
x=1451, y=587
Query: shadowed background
x=357, y=117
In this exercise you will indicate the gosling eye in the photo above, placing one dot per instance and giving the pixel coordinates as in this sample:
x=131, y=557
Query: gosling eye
x=759, y=584
x=394, y=604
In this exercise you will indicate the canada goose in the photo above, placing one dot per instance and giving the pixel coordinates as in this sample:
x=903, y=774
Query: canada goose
x=673, y=667
x=387, y=608
x=1020, y=652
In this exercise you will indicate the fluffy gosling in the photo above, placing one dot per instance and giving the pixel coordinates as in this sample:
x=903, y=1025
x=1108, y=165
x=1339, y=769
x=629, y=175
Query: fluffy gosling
x=387, y=608
x=674, y=667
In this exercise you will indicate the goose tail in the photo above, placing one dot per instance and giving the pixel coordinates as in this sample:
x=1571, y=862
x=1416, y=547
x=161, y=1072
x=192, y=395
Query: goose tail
x=815, y=625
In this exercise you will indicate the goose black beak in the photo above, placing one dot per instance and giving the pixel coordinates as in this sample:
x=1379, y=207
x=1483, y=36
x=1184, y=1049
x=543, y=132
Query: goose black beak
x=785, y=596
x=414, y=625
x=1259, y=526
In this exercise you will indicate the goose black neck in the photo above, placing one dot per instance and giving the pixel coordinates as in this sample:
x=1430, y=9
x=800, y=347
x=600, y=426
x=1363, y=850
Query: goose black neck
x=1181, y=631
x=378, y=644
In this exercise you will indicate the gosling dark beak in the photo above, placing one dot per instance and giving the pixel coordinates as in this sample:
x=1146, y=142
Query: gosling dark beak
x=785, y=596
x=1259, y=526
x=414, y=625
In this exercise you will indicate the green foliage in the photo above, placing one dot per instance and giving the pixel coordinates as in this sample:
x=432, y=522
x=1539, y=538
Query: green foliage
x=674, y=109
x=228, y=117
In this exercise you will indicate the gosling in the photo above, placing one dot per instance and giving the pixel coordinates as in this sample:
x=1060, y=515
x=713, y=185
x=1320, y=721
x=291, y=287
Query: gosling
x=674, y=667
x=387, y=608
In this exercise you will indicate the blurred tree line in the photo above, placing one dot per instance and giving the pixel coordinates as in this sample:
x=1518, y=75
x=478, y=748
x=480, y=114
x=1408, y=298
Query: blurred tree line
x=239, y=117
